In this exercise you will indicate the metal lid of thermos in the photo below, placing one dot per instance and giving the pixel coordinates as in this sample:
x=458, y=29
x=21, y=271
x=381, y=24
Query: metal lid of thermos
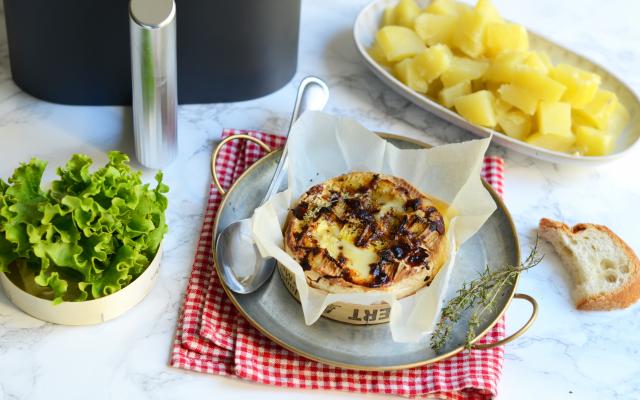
x=154, y=82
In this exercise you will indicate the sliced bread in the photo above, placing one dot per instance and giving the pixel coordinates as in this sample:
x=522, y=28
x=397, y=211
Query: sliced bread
x=604, y=269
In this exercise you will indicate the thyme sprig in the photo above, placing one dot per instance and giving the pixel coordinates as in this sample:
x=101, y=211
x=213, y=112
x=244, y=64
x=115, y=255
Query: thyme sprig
x=481, y=295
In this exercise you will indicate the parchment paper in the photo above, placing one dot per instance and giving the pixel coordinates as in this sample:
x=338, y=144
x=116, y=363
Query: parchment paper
x=321, y=147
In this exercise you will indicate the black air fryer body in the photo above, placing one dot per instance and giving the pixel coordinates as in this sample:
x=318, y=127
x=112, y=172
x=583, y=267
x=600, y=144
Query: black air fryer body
x=77, y=51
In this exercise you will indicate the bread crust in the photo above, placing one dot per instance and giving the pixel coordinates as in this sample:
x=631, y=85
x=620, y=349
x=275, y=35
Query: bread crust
x=348, y=203
x=622, y=297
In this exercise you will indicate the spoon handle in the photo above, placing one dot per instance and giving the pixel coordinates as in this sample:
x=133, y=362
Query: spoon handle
x=313, y=94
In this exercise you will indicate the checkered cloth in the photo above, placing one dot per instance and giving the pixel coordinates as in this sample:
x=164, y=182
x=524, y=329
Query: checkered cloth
x=212, y=337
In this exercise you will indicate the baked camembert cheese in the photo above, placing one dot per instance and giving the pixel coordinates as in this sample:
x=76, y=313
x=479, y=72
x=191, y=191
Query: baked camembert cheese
x=363, y=232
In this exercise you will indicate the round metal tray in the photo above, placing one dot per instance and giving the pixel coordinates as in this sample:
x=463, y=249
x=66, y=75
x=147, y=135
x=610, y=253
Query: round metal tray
x=274, y=312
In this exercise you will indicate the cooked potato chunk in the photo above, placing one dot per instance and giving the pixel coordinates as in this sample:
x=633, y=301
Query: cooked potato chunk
x=389, y=16
x=443, y=7
x=477, y=108
x=432, y=62
x=539, y=85
x=553, y=118
x=434, y=28
x=519, y=98
x=405, y=71
x=463, y=69
x=618, y=120
x=469, y=34
x=501, y=106
x=515, y=123
x=406, y=12
x=599, y=109
x=487, y=9
x=399, y=42
x=581, y=85
x=377, y=54
x=536, y=63
x=546, y=60
x=561, y=143
x=505, y=65
x=578, y=120
x=593, y=142
x=449, y=95
x=503, y=36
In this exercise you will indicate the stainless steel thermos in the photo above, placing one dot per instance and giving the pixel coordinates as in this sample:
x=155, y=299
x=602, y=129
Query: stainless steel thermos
x=154, y=80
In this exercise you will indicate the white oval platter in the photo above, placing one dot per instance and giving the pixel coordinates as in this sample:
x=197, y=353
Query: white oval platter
x=368, y=22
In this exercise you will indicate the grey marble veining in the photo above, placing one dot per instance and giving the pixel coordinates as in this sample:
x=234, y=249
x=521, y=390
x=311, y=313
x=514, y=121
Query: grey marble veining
x=567, y=354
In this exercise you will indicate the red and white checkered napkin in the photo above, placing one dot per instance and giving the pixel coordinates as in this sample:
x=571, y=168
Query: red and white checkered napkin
x=212, y=337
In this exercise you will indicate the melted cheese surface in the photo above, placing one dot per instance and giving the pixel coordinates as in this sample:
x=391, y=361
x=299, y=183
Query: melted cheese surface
x=339, y=242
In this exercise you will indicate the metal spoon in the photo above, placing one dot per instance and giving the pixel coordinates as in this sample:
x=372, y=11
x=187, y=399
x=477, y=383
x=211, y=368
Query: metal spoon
x=244, y=270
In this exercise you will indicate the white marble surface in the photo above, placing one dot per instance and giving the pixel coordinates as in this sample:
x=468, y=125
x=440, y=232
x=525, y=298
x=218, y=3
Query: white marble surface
x=566, y=355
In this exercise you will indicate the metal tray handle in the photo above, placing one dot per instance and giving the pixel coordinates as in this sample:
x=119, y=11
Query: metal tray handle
x=214, y=156
x=519, y=332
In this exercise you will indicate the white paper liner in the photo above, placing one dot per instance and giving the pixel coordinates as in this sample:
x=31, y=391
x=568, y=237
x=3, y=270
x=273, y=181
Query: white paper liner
x=322, y=147
x=85, y=312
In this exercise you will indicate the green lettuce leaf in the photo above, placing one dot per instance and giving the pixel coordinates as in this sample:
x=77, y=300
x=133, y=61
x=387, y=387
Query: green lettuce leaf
x=89, y=236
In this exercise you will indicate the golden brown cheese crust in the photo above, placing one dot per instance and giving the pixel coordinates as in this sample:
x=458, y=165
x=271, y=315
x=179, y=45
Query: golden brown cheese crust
x=363, y=231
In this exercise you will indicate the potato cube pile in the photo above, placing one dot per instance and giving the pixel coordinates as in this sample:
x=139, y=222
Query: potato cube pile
x=472, y=61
